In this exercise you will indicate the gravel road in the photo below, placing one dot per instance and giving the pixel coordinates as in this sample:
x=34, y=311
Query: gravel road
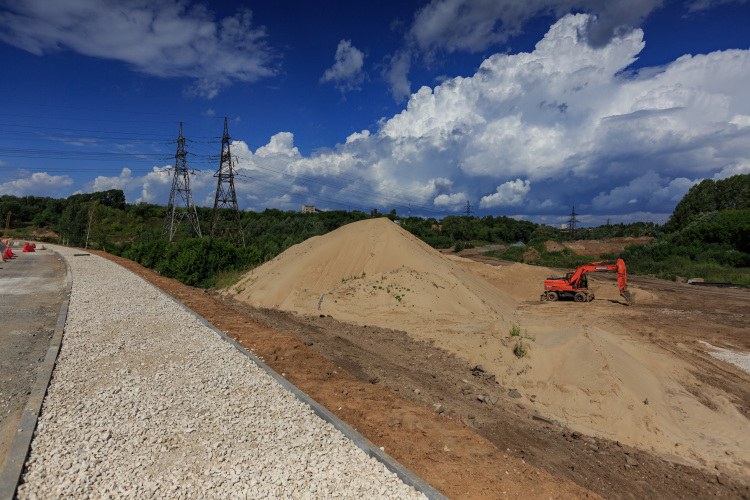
x=147, y=402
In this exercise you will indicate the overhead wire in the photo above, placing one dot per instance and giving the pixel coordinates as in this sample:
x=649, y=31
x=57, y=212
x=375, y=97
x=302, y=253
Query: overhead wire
x=206, y=158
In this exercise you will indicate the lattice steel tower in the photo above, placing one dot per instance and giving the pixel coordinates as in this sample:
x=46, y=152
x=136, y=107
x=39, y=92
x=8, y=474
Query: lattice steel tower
x=222, y=224
x=180, y=198
x=572, y=222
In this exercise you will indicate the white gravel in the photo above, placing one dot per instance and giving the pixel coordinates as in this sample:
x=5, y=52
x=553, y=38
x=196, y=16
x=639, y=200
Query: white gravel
x=147, y=402
x=739, y=359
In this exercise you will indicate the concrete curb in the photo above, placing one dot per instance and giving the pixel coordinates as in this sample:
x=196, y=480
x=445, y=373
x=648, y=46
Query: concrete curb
x=362, y=442
x=21, y=442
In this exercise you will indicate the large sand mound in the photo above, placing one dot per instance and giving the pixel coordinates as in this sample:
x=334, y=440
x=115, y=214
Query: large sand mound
x=583, y=367
x=374, y=272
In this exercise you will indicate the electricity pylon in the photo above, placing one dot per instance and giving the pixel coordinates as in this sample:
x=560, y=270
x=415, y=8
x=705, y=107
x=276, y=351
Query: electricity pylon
x=180, y=198
x=226, y=198
x=572, y=222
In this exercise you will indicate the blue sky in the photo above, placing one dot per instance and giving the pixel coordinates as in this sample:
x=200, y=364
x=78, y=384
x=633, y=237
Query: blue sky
x=522, y=108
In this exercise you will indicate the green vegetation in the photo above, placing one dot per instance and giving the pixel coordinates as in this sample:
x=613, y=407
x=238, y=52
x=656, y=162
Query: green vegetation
x=515, y=331
x=520, y=350
x=707, y=236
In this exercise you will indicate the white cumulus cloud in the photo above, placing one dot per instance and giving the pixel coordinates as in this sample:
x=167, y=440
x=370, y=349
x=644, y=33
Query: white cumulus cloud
x=38, y=184
x=530, y=133
x=510, y=193
x=346, y=72
x=560, y=126
x=451, y=201
x=164, y=38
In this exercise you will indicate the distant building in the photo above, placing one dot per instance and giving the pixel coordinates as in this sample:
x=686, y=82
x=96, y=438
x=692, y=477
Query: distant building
x=308, y=209
x=373, y=212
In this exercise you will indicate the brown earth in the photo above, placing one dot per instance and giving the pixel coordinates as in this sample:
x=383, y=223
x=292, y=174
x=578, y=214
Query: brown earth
x=446, y=453
x=32, y=286
x=585, y=367
x=596, y=248
x=406, y=395
x=45, y=232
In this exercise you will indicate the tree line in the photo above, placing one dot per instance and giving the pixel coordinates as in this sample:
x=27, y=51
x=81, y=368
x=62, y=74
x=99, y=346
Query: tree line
x=709, y=230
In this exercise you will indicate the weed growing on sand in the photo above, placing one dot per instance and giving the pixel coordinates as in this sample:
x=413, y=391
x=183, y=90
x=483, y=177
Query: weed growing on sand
x=344, y=280
x=520, y=350
x=240, y=290
x=515, y=331
x=645, y=401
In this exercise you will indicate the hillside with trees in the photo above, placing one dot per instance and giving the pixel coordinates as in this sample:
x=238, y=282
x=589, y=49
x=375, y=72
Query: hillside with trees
x=707, y=236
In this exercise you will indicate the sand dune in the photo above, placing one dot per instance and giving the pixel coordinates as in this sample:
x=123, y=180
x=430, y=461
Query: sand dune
x=583, y=367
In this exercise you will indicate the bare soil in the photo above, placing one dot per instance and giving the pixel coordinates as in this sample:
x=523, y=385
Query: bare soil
x=32, y=286
x=456, y=427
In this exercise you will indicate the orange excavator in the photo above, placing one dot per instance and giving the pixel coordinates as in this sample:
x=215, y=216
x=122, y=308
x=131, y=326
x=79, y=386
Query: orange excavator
x=575, y=284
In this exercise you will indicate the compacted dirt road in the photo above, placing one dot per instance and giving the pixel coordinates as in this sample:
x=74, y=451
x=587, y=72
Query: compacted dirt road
x=456, y=427
x=31, y=289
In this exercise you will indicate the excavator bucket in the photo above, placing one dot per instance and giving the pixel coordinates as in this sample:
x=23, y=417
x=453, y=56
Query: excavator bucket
x=628, y=297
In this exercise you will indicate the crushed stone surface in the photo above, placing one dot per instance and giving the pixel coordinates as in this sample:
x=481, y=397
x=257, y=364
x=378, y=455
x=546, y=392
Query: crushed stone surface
x=739, y=359
x=147, y=402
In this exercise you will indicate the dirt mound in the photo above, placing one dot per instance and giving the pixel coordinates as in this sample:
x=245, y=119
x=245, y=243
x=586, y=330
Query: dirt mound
x=596, y=248
x=374, y=272
x=553, y=246
x=582, y=365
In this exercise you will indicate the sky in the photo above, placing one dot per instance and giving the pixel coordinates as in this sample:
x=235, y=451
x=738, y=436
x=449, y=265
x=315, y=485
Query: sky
x=523, y=108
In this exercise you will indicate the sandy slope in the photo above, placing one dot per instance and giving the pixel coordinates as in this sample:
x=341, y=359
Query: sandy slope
x=583, y=367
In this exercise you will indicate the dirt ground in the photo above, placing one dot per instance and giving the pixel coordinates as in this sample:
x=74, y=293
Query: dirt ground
x=457, y=428
x=31, y=289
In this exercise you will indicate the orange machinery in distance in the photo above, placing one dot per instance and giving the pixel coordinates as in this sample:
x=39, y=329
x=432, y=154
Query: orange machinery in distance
x=575, y=283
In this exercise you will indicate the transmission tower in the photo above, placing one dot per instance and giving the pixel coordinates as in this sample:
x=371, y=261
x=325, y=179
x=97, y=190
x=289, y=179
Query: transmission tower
x=180, y=198
x=226, y=198
x=468, y=210
x=572, y=222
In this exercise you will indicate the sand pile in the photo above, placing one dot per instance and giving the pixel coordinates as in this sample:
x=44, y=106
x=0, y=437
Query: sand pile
x=584, y=368
x=374, y=272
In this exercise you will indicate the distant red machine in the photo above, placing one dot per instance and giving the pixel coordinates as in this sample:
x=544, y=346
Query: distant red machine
x=575, y=283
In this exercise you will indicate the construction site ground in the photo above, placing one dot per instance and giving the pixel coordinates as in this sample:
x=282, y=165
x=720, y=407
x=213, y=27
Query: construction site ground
x=31, y=289
x=456, y=427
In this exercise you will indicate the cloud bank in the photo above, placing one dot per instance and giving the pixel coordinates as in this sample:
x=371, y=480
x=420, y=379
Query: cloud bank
x=476, y=25
x=164, y=38
x=538, y=132
x=529, y=133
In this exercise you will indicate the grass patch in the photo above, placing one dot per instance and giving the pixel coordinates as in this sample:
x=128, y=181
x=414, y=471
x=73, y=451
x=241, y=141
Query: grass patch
x=520, y=350
x=225, y=279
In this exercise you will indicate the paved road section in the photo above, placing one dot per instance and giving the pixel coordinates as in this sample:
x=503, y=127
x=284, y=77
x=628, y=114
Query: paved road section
x=31, y=288
x=148, y=402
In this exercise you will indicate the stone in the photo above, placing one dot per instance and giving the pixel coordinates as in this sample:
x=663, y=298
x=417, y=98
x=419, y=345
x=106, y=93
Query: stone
x=514, y=393
x=543, y=419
